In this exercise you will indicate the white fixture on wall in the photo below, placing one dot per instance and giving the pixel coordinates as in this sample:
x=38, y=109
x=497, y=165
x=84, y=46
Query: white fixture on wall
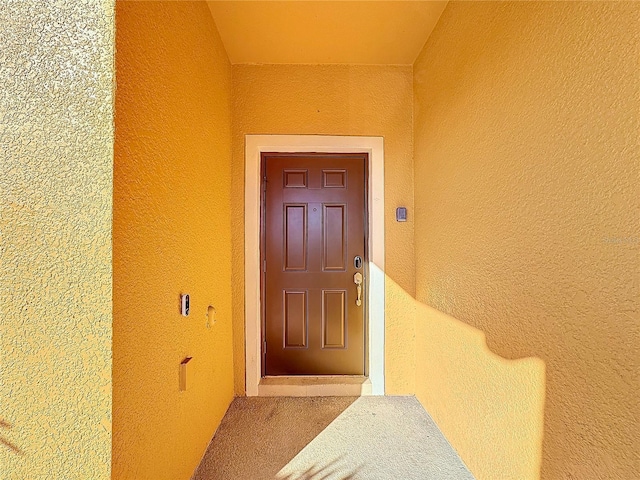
x=184, y=304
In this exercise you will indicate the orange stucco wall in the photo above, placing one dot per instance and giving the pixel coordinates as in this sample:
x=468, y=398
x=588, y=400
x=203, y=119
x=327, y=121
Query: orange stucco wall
x=171, y=235
x=56, y=167
x=527, y=116
x=335, y=100
x=490, y=408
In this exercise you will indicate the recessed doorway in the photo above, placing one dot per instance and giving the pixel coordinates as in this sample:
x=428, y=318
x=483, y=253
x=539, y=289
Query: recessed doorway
x=372, y=293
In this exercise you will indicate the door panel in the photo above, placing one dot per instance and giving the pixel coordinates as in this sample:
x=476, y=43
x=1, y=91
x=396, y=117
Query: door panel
x=333, y=318
x=295, y=237
x=295, y=318
x=334, y=238
x=314, y=224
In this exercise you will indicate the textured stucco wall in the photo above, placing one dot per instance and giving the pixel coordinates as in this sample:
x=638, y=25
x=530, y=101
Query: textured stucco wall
x=56, y=157
x=335, y=100
x=171, y=235
x=527, y=118
x=491, y=408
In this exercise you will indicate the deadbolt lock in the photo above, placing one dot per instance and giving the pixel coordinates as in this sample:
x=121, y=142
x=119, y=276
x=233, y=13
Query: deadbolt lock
x=357, y=262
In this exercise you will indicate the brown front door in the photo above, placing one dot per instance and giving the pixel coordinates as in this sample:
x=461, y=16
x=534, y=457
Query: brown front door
x=314, y=224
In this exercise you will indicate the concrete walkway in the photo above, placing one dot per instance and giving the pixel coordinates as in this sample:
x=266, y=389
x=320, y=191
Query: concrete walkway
x=329, y=438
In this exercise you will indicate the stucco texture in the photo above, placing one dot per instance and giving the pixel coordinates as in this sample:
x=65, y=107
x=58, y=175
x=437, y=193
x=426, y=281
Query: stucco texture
x=527, y=116
x=335, y=100
x=491, y=408
x=56, y=150
x=171, y=236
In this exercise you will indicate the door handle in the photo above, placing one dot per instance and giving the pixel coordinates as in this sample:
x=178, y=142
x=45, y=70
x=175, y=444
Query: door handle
x=357, y=279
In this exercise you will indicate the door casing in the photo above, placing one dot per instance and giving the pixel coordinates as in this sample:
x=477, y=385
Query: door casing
x=255, y=145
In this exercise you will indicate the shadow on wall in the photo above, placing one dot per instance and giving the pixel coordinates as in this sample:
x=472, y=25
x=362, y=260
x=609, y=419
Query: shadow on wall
x=490, y=409
x=7, y=426
x=315, y=472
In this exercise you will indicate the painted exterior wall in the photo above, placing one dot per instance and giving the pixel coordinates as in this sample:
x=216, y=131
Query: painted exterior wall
x=171, y=236
x=527, y=158
x=491, y=408
x=56, y=151
x=335, y=100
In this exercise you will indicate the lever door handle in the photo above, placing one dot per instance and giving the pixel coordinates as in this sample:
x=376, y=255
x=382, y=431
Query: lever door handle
x=357, y=279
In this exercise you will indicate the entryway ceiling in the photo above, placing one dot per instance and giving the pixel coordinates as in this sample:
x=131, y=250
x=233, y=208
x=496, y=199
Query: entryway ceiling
x=325, y=32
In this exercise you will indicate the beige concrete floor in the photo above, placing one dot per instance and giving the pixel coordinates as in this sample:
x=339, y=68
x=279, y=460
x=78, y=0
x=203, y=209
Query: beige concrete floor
x=329, y=438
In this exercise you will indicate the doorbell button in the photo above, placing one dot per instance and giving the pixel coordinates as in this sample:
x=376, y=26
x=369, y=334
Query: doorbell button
x=184, y=304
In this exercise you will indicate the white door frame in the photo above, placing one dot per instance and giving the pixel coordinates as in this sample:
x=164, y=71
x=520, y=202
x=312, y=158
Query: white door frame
x=255, y=145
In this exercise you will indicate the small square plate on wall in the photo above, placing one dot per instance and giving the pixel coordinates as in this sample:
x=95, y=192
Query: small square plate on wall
x=401, y=214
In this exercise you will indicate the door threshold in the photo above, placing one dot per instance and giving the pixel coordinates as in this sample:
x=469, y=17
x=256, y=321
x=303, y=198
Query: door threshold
x=315, y=386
